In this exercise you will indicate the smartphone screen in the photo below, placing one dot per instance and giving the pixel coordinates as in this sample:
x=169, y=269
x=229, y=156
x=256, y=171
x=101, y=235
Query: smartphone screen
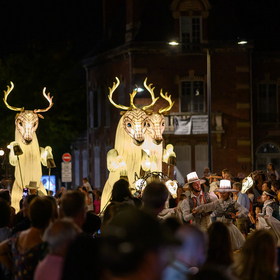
x=25, y=193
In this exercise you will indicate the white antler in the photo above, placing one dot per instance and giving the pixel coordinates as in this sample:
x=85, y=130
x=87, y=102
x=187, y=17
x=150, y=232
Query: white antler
x=151, y=91
x=111, y=91
x=49, y=98
x=6, y=93
x=167, y=98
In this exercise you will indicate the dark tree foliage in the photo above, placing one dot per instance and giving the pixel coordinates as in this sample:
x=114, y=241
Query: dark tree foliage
x=64, y=77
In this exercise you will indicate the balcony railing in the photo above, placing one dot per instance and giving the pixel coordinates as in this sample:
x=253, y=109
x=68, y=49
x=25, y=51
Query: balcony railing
x=198, y=121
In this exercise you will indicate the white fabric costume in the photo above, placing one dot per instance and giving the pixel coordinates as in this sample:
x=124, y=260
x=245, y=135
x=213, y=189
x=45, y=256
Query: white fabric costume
x=221, y=209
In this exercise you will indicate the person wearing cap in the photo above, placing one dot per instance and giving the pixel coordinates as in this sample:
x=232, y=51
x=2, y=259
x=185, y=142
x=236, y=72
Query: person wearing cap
x=197, y=197
x=34, y=189
x=225, y=210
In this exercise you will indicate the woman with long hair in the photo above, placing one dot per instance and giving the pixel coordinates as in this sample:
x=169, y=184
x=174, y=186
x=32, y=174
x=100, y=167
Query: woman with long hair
x=272, y=170
x=121, y=192
x=257, y=259
x=27, y=247
x=220, y=251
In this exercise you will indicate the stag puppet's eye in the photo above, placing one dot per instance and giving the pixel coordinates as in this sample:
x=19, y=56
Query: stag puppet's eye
x=148, y=125
x=20, y=123
x=34, y=124
x=128, y=124
x=163, y=124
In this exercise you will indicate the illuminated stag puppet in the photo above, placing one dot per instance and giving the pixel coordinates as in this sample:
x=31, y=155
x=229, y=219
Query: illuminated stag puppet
x=127, y=157
x=155, y=124
x=30, y=169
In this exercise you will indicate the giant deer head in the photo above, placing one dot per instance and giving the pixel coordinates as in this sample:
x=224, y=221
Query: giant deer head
x=155, y=122
x=134, y=119
x=27, y=120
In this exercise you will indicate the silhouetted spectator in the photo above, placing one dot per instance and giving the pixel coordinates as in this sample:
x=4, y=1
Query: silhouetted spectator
x=59, y=236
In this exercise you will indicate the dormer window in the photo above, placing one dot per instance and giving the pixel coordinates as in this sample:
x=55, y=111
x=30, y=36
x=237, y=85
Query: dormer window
x=190, y=32
x=190, y=29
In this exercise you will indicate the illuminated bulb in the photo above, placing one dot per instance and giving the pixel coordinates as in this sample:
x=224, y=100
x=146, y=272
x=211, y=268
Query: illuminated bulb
x=139, y=89
x=2, y=152
x=173, y=43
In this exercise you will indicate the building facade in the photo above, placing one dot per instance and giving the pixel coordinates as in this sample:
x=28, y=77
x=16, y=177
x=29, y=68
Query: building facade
x=207, y=77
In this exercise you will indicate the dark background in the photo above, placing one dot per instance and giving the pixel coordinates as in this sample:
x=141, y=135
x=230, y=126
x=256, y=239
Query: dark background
x=43, y=44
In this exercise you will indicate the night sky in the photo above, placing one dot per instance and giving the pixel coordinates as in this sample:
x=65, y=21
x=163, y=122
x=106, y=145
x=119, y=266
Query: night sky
x=50, y=23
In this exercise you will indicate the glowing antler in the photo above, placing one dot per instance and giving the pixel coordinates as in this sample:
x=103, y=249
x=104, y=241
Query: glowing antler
x=132, y=95
x=111, y=91
x=49, y=98
x=167, y=98
x=6, y=93
x=151, y=91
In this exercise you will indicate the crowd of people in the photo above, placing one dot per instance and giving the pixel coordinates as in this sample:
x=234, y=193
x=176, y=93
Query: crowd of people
x=212, y=230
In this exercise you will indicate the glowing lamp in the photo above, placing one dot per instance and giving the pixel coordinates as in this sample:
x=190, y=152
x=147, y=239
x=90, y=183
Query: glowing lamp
x=2, y=152
x=247, y=183
x=172, y=187
x=140, y=184
x=173, y=43
x=242, y=42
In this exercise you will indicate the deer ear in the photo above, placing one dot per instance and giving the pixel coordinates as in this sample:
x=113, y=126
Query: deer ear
x=40, y=116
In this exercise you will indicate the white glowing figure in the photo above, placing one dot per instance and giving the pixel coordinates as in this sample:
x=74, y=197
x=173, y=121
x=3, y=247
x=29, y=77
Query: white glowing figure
x=155, y=124
x=30, y=161
x=129, y=138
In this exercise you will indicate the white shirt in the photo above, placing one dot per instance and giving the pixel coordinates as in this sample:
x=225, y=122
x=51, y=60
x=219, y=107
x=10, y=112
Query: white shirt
x=186, y=211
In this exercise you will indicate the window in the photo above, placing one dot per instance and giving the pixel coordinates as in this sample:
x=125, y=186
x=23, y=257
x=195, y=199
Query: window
x=91, y=109
x=267, y=103
x=265, y=154
x=192, y=96
x=77, y=167
x=95, y=108
x=183, y=162
x=85, y=161
x=201, y=158
x=190, y=32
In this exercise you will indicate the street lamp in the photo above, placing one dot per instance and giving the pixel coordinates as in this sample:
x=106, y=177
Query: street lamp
x=209, y=109
x=173, y=43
